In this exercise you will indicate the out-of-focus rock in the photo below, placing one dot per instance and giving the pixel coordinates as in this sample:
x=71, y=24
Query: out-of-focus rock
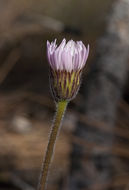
x=21, y=124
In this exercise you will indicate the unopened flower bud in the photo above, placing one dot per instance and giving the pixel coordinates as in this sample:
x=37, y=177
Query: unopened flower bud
x=66, y=64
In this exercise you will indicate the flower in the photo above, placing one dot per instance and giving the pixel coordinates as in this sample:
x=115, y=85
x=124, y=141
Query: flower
x=66, y=63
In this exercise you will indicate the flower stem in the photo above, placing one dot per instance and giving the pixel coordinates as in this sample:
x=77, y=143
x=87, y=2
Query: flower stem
x=61, y=107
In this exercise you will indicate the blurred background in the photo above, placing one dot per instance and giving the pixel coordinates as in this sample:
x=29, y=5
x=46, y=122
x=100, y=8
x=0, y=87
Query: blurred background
x=92, y=151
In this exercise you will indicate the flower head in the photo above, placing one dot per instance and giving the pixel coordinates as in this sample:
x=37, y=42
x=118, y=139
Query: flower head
x=66, y=64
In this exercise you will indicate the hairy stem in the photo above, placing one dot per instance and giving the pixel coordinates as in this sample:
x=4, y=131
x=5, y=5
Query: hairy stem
x=61, y=107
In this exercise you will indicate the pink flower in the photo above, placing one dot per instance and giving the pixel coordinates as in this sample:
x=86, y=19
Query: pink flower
x=66, y=63
x=70, y=56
